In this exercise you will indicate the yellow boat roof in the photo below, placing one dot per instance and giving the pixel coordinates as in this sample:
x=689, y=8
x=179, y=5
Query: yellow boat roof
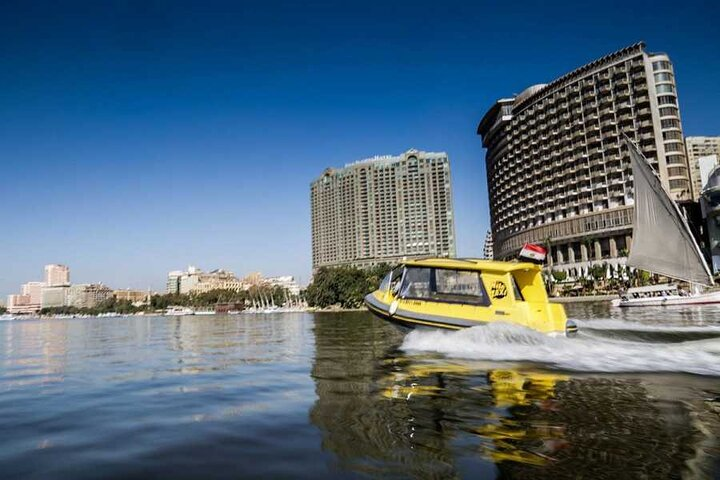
x=473, y=264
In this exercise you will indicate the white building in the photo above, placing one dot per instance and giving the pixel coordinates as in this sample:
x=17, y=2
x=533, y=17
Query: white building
x=20, y=304
x=54, y=296
x=194, y=280
x=287, y=282
x=488, y=247
x=88, y=295
x=56, y=275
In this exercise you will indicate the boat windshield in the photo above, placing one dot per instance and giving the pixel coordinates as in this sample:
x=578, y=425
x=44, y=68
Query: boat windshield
x=444, y=285
x=391, y=280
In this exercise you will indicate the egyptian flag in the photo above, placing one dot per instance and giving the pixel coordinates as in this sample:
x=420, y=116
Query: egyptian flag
x=534, y=253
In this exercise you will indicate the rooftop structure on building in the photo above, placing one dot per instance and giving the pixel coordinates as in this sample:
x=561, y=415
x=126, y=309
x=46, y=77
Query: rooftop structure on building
x=383, y=209
x=557, y=169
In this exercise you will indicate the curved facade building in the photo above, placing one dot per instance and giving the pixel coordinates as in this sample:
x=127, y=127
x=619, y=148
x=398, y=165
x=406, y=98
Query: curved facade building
x=556, y=168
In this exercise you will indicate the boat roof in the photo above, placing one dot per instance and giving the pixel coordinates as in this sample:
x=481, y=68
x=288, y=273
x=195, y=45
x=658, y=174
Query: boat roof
x=653, y=288
x=472, y=264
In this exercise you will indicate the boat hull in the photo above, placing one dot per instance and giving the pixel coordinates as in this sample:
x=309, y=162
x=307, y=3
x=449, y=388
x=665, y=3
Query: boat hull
x=406, y=320
x=712, y=298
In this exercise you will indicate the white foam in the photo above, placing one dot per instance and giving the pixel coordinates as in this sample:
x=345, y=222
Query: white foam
x=645, y=327
x=505, y=342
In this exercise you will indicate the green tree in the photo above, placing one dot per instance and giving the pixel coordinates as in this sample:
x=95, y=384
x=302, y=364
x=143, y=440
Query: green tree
x=344, y=286
x=2, y=310
x=559, y=276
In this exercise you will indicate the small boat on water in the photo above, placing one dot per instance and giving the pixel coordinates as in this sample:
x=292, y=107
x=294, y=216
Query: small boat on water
x=461, y=293
x=179, y=311
x=6, y=317
x=664, y=244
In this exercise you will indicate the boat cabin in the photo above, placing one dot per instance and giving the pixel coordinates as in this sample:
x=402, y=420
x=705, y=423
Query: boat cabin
x=650, y=291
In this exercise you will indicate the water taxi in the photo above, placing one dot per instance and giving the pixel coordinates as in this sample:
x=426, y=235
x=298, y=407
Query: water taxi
x=461, y=293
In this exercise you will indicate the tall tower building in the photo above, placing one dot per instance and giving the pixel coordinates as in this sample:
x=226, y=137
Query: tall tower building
x=383, y=209
x=488, y=247
x=56, y=275
x=698, y=148
x=556, y=166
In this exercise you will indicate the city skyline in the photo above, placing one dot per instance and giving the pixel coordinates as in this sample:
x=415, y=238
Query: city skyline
x=136, y=140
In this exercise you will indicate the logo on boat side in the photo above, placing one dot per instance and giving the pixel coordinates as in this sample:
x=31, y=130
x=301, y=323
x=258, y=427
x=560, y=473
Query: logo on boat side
x=498, y=290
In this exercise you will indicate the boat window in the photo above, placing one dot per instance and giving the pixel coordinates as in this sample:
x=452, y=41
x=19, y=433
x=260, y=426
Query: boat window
x=460, y=286
x=391, y=280
x=444, y=285
x=416, y=283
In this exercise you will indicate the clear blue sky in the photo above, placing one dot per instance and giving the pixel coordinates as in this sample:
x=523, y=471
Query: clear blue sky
x=138, y=137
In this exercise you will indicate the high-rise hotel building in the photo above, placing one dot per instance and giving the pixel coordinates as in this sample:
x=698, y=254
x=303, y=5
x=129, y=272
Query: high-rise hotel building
x=383, y=209
x=557, y=170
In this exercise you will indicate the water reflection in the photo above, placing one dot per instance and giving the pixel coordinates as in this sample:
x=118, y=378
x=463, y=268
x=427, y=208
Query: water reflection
x=382, y=411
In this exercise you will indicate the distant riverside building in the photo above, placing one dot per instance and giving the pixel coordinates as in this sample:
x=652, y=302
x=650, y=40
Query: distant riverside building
x=194, y=280
x=18, y=304
x=488, y=247
x=57, y=275
x=287, y=282
x=701, y=150
x=557, y=170
x=383, y=209
x=54, y=296
x=88, y=295
x=34, y=292
x=132, y=296
x=173, y=281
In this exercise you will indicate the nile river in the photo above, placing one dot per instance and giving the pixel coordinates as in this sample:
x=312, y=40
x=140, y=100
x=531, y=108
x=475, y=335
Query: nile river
x=344, y=395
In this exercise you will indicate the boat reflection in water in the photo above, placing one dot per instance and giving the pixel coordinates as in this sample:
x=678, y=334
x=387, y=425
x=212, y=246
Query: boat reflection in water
x=382, y=412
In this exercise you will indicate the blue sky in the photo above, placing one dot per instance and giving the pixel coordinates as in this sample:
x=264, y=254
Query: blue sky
x=138, y=137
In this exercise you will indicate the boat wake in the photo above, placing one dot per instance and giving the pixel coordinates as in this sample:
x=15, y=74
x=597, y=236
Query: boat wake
x=586, y=352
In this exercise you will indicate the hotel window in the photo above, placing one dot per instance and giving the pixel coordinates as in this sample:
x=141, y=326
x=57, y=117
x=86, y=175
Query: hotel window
x=677, y=184
x=665, y=89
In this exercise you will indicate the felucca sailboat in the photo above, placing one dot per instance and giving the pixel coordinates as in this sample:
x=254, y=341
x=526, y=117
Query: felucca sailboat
x=663, y=244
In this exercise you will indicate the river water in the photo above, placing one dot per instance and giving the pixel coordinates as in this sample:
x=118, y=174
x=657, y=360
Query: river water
x=345, y=395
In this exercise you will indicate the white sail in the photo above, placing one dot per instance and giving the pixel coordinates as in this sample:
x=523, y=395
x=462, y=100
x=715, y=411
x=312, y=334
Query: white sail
x=662, y=241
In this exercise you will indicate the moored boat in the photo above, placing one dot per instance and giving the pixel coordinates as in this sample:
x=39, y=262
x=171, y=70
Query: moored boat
x=176, y=311
x=461, y=293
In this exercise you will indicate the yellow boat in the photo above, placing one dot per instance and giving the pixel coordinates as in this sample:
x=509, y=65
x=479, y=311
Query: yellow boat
x=462, y=293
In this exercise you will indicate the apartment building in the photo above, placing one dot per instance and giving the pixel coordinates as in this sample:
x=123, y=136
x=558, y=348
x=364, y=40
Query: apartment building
x=383, y=209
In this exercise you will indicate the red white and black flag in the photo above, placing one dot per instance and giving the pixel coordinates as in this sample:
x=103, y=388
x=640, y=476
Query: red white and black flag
x=534, y=253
